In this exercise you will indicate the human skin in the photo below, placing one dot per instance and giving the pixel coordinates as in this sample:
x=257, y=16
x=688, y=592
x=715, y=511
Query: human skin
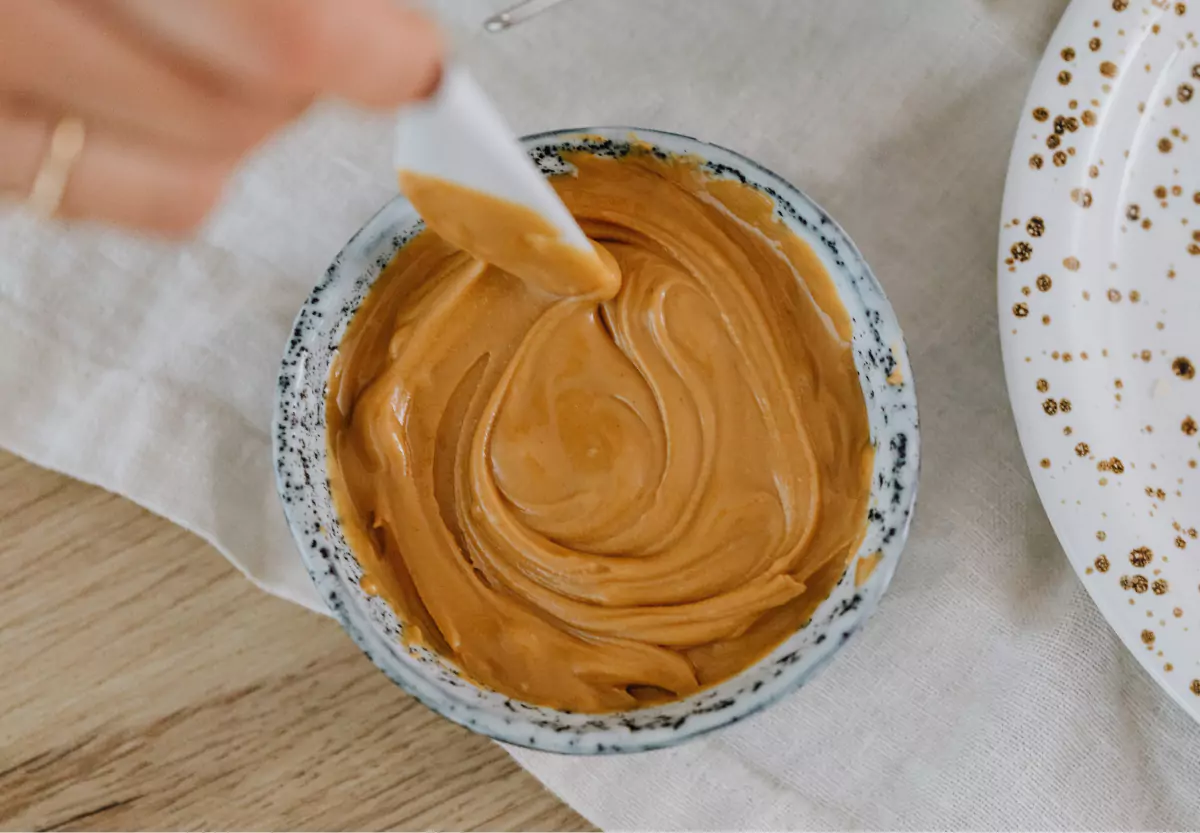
x=174, y=94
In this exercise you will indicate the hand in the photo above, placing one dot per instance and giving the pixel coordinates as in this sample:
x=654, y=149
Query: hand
x=173, y=93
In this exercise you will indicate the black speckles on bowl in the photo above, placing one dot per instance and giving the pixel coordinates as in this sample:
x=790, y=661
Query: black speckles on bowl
x=299, y=446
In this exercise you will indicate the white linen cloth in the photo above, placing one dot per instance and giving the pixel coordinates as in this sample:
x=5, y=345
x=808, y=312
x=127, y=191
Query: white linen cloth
x=987, y=692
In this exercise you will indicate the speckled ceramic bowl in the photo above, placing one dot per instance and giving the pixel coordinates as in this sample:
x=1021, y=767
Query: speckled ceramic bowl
x=299, y=443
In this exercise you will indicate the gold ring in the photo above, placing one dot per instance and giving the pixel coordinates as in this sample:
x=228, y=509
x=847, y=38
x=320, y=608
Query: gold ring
x=66, y=145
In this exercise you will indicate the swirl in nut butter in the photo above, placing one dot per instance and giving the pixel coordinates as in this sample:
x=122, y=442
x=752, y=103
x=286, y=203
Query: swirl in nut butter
x=603, y=489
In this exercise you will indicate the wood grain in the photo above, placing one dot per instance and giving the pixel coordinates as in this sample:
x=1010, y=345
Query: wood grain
x=145, y=684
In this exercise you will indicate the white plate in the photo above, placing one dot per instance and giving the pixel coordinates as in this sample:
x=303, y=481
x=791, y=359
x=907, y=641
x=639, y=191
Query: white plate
x=1099, y=290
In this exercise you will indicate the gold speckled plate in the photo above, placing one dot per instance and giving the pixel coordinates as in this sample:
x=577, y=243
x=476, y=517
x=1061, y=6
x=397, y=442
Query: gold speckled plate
x=1099, y=289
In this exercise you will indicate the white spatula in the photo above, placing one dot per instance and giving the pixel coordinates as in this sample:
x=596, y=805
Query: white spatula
x=458, y=136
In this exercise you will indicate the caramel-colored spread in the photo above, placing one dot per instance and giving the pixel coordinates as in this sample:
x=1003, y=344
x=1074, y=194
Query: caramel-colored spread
x=511, y=237
x=593, y=498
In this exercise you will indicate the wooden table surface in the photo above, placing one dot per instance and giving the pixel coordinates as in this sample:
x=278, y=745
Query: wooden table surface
x=145, y=684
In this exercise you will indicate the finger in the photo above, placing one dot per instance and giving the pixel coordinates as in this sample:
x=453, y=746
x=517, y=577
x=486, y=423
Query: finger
x=114, y=180
x=372, y=52
x=57, y=55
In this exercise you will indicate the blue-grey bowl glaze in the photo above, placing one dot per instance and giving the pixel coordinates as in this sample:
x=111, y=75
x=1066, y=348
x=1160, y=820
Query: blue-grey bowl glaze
x=300, y=466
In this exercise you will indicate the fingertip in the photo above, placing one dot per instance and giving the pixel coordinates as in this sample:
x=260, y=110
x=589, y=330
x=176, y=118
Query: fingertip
x=424, y=48
x=185, y=218
x=433, y=77
x=386, y=55
x=188, y=201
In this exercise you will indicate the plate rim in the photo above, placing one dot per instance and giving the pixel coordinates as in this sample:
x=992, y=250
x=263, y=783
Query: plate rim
x=1075, y=18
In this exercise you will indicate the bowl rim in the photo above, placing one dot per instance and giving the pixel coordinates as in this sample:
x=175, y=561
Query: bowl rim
x=519, y=732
